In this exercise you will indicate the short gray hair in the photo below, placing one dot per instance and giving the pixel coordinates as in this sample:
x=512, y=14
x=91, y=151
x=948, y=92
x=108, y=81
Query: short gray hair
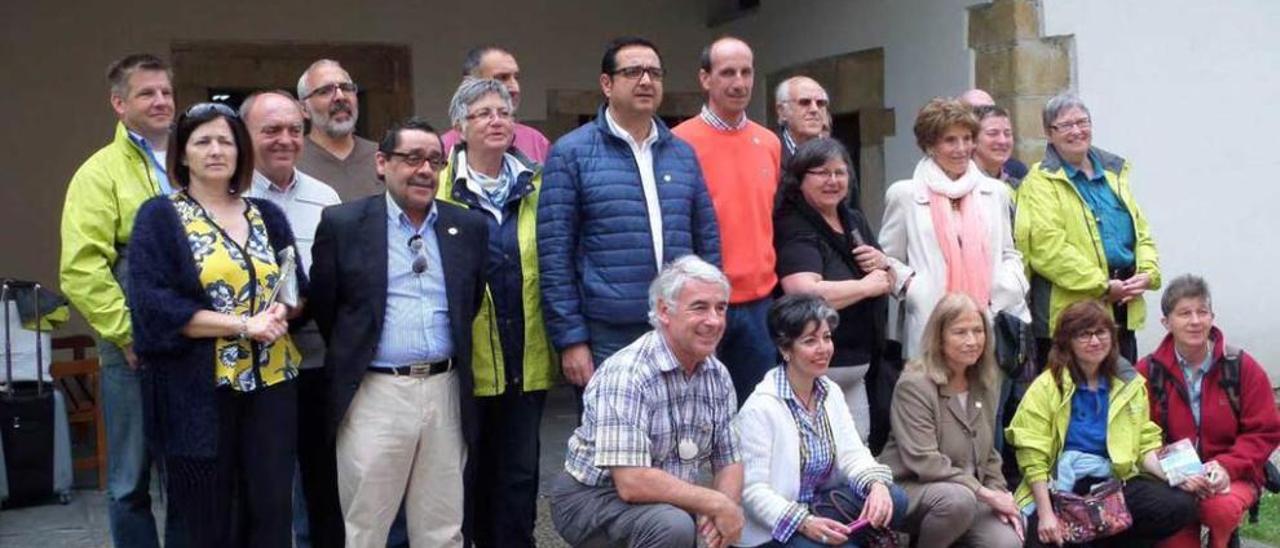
x=472, y=90
x=302, y=80
x=783, y=93
x=1186, y=286
x=667, y=286
x=1059, y=104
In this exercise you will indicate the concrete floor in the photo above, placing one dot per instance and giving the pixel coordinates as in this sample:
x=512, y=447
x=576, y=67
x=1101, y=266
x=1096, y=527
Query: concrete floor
x=83, y=522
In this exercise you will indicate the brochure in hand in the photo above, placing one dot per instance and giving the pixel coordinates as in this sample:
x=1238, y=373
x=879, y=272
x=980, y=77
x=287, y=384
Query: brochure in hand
x=1180, y=461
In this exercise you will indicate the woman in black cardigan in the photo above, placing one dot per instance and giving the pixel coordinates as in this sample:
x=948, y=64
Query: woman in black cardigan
x=218, y=394
x=827, y=248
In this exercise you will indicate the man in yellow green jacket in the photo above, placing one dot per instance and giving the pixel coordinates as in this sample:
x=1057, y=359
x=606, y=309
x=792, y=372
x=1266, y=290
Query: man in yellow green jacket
x=97, y=221
x=1080, y=230
x=512, y=359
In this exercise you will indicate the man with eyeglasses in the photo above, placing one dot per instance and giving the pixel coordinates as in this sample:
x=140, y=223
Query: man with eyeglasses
x=621, y=196
x=396, y=282
x=275, y=123
x=802, y=113
x=97, y=223
x=494, y=63
x=657, y=413
x=334, y=153
x=741, y=161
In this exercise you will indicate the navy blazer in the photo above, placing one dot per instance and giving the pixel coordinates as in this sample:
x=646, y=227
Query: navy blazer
x=164, y=292
x=348, y=296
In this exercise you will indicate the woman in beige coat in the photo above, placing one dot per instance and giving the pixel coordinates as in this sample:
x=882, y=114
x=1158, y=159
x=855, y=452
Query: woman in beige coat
x=941, y=446
x=948, y=227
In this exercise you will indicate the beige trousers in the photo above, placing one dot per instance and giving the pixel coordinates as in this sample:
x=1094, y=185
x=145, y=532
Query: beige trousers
x=402, y=439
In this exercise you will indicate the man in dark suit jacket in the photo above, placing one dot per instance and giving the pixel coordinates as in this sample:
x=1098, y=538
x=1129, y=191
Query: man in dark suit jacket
x=396, y=283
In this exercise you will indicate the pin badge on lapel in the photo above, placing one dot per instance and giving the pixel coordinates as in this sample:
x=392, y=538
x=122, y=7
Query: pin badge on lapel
x=453, y=231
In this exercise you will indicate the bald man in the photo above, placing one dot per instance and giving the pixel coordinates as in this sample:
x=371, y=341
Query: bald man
x=740, y=162
x=979, y=98
x=802, y=112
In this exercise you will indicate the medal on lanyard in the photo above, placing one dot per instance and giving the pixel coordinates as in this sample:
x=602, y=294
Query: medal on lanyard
x=688, y=450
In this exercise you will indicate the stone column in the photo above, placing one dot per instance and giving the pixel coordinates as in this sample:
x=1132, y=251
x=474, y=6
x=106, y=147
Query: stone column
x=1019, y=68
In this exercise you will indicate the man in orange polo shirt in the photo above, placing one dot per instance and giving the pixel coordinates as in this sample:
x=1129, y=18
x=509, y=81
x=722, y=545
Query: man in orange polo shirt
x=739, y=160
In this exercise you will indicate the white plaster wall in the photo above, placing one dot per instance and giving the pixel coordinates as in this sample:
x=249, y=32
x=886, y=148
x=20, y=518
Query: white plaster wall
x=925, y=52
x=1186, y=91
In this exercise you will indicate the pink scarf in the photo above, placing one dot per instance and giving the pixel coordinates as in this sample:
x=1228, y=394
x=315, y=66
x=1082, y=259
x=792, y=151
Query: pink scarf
x=966, y=254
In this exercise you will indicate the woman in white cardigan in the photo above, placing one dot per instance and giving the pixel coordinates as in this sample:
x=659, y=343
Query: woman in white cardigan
x=799, y=444
x=948, y=227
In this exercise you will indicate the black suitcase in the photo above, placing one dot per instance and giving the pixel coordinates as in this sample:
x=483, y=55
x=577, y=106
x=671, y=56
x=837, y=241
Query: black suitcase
x=27, y=415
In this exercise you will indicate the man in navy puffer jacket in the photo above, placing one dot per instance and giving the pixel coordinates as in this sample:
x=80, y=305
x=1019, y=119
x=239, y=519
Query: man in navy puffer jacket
x=621, y=196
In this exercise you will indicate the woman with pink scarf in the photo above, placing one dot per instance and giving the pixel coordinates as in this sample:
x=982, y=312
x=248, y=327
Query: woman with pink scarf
x=948, y=226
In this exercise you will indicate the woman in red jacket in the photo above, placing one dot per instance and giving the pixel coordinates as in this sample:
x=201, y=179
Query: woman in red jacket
x=1218, y=397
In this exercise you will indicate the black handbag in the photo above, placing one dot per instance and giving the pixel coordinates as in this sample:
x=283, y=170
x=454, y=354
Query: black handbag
x=1015, y=345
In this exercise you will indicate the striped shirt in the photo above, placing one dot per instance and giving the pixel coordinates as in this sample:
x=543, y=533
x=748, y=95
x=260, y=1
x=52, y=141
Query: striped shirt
x=638, y=407
x=720, y=123
x=416, y=328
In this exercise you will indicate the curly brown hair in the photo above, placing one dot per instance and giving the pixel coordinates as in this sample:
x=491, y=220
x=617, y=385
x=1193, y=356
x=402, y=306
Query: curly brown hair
x=1078, y=317
x=939, y=115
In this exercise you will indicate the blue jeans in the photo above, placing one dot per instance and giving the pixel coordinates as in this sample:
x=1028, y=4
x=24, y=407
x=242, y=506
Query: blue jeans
x=747, y=348
x=128, y=461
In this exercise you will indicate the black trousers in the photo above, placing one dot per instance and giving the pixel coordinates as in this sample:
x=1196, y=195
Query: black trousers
x=506, y=472
x=317, y=463
x=1158, y=512
x=243, y=496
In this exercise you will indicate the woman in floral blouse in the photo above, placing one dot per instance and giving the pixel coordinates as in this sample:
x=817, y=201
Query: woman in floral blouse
x=204, y=263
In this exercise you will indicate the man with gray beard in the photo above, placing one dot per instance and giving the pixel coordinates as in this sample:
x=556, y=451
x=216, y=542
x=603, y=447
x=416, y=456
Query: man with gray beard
x=334, y=153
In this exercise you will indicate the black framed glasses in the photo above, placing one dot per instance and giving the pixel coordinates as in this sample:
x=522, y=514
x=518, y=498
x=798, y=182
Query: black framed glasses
x=1102, y=334
x=201, y=109
x=328, y=90
x=419, y=249
x=415, y=160
x=636, y=72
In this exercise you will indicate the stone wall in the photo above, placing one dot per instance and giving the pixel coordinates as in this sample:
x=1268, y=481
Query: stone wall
x=1019, y=68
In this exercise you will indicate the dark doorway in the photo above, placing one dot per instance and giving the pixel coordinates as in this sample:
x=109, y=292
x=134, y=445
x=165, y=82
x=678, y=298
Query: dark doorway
x=845, y=128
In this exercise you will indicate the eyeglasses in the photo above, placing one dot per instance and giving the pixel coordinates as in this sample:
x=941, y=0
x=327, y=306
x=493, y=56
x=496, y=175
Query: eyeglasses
x=806, y=102
x=1082, y=123
x=829, y=175
x=328, y=90
x=1103, y=335
x=419, y=254
x=201, y=109
x=489, y=114
x=415, y=160
x=636, y=72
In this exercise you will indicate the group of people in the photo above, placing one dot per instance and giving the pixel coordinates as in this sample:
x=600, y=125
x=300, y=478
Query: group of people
x=325, y=340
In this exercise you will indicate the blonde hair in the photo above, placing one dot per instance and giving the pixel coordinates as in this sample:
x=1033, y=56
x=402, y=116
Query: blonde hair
x=933, y=362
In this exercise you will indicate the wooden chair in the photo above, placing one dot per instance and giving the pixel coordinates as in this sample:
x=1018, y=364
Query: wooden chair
x=78, y=379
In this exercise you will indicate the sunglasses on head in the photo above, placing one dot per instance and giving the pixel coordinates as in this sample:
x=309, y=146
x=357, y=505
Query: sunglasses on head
x=201, y=109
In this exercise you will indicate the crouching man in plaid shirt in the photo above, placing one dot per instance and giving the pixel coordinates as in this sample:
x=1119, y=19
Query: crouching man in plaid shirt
x=654, y=414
